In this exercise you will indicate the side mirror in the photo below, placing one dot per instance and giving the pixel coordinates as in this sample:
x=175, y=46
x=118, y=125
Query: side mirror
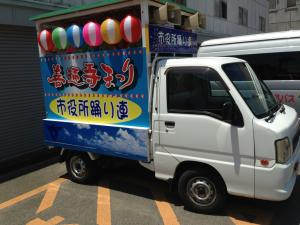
x=227, y=111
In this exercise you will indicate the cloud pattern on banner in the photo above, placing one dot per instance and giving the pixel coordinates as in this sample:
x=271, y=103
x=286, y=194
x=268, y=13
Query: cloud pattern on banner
x=67, y=133
x=120, y=140
x=123, y=141
x=81, y=126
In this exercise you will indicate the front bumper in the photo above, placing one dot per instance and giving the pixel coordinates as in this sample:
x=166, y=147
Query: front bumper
x=277, y=183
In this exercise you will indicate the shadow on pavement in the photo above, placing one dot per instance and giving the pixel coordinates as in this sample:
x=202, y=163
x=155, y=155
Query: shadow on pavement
x=287, y=212
x=25, y=164
x=133, y=179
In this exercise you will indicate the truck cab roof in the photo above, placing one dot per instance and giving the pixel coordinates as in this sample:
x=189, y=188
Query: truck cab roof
x=191, y=62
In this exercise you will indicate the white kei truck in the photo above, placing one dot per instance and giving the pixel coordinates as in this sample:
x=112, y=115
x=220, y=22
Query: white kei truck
x=207, y=125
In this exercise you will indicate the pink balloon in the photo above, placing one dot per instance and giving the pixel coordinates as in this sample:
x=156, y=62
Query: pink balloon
x=92, y=34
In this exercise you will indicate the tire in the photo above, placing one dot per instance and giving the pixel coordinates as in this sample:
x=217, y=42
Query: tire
x=80, y=167
x=202, y=191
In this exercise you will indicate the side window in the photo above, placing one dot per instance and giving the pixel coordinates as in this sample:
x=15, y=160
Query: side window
x=275, y=66
x=197, y=90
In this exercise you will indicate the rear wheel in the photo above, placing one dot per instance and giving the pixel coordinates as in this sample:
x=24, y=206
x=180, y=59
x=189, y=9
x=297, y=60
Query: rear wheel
x=202, y=190
x=80, y=167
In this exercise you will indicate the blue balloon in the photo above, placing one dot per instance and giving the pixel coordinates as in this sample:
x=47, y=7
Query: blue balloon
x=74, y=35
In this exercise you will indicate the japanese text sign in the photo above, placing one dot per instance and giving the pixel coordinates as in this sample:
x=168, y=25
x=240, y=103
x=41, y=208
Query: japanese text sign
x=170, y=40
x=102, y=87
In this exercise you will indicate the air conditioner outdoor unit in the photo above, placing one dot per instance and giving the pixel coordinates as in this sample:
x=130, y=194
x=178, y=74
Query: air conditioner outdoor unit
x=168, y=13
x=194, y=22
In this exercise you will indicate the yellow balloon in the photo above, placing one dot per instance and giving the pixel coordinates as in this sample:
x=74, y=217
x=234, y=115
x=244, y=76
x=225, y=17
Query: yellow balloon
x=110, y=30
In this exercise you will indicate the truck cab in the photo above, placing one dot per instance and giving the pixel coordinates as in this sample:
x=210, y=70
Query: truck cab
x=218, y=129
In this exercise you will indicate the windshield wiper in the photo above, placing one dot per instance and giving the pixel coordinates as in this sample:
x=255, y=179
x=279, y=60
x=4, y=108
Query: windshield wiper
x=271, y=113
x=270, y=116
x=282, y=110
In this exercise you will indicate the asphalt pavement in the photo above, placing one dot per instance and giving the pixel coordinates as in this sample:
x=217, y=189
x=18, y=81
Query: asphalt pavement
x=125, y=195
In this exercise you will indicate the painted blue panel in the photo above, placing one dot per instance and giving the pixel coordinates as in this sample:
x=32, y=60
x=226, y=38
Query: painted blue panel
x=163, y=39
x=102, y=87
x=131, y=143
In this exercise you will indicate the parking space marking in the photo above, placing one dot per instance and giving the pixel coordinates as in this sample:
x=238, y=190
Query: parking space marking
x=103, y=205
x=164, y=207
x=260, y=218
x=241, y=222
x=166, y=212
x=53, y=221
x=50, y=195
x=29, y=194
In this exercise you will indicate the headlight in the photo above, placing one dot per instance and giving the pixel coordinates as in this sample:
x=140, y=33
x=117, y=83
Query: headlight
x=283, y=150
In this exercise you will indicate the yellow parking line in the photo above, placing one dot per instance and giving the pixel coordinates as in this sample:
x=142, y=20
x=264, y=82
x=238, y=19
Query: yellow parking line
x=26, y=195
x=22, y=197
x=261, y=218
x=166, y=212
x=241, y=222
x=53, y=221
x=103, y=205
x=50, y=195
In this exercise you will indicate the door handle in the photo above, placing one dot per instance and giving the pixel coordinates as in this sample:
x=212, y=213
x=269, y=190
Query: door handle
x=170, y=124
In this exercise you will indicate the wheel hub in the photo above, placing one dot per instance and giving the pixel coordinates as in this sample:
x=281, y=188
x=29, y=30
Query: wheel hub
x=201, y=191
x=78, y=166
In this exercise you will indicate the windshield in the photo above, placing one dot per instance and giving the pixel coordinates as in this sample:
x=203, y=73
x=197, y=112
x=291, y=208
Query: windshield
x=255, y=93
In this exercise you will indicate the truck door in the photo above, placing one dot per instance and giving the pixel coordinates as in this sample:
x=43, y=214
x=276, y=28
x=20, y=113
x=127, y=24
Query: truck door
x=192, y=127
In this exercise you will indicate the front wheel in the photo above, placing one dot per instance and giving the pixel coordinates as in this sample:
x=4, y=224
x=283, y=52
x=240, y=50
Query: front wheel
x=202, y=190
x=80, y=167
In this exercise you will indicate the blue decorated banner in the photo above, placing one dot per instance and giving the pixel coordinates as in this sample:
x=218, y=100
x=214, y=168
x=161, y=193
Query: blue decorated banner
x=168, y=40
x=97, y=102
x=108, y=87
x=108, y=140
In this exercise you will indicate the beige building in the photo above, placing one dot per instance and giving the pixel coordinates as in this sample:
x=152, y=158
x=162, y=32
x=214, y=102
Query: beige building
x=233, y=17
x=284, y=15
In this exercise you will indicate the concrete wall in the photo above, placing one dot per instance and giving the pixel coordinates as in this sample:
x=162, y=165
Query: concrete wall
x=283, y=18
x=230, y=26
x=18, y=12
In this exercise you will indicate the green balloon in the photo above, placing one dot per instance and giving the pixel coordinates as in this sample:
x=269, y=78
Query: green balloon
x=59, y=37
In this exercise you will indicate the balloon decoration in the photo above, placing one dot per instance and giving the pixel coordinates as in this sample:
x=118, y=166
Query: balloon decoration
x=110, y=30
x=59, y=37
x=74, y=35
x=45, y=40
x=131, y=29
x=92, y=34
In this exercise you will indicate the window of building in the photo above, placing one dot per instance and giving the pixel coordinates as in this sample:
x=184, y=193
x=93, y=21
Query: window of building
x=221, y=9
x=262, y=24
x=197, y=90
x=243, y=16
x=275, y=66
x=272, y=4
x=291, y=3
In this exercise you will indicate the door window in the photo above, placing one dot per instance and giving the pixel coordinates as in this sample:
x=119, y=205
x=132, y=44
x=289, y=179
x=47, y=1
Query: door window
x=196, y=90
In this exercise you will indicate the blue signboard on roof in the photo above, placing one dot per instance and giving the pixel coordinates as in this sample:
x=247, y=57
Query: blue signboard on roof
x=169, y=40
